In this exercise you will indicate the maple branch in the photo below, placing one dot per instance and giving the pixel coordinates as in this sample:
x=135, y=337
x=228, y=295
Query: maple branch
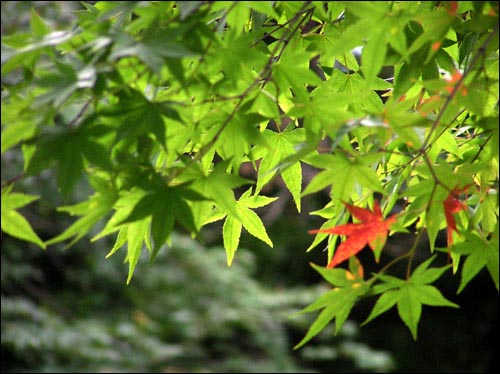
x=411, y=253
x=481, y=147
x=262, y=78
x=13, y=180
x=389, y=265
x=446, y=128
x=481, y=51
x=278, y=27
x=80, y=113
x=433, y=173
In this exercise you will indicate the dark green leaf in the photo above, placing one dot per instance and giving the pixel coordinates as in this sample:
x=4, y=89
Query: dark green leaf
x=95, y=209
x=145, y=207
x=161, y=225
x=70, y=168
x=319, y=324
x=97, y=154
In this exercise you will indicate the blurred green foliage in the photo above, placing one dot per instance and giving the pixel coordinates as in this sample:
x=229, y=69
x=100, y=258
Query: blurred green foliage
x=187, y=312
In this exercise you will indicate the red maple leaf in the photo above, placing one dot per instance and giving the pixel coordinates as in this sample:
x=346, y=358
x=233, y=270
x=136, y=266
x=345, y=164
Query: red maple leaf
x=452, y=8
x=452, y=205
x=372, y=230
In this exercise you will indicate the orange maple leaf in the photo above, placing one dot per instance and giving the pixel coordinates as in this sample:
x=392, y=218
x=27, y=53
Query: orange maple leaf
x=454, y=79
x=452, y=205
x=372, y=230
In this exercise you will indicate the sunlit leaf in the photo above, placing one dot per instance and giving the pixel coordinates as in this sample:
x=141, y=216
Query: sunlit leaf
x=231, y=232
x=409, y=309
x=13, y=223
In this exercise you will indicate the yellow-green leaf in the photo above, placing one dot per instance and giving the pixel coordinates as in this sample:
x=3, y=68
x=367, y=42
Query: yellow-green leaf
x=231, y=232
x=17, y=226
x=253, y=224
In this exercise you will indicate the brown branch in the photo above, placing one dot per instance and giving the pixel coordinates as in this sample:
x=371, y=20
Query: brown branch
x=433, y=173
x=481, y=147
x=80, y=113
x=13, y=180
x=281, y=26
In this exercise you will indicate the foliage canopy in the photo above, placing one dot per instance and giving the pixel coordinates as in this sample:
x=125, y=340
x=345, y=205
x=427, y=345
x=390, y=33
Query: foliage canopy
x=158, y=106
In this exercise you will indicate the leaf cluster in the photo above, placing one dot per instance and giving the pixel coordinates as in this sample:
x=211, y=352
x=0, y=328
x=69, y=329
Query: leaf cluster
x=158, y=105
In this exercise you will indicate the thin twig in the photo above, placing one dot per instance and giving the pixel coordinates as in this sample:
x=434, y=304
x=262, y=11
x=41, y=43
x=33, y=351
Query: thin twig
x=433, y=173
x=481, y=147
x=80, y=113
x=280, y=26
x=13, y=180
x=411, y=253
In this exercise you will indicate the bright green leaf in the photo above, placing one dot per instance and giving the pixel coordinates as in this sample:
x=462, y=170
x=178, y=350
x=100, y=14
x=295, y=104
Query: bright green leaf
x=385, y=302
x=136, y=234
x=17, y=226
x=373, y=56
x=336, y=277
x=409, y=309
x=231, y=232
x=13, y=134
x=430, y=295
x=253, y=224
x=38, y=26
x=16, y=200
x=319, y=324
x=162, y=224
x=121, y=239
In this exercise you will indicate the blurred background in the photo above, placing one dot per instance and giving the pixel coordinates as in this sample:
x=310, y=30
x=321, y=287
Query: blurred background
x=70, y=310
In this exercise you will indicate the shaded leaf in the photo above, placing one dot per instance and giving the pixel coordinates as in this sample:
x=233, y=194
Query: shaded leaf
x=409, y=309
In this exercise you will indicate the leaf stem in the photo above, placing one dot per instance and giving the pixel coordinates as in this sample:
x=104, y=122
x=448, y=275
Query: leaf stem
x=411, y=253
x=79, y=115
x=13, y=180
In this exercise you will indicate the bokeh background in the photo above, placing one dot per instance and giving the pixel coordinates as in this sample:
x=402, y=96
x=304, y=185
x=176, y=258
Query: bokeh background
x=69, y=310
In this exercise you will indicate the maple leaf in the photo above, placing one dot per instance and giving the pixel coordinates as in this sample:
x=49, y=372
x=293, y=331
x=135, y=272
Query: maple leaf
x=454, y=79
x=372, y=230
x=452, y=205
